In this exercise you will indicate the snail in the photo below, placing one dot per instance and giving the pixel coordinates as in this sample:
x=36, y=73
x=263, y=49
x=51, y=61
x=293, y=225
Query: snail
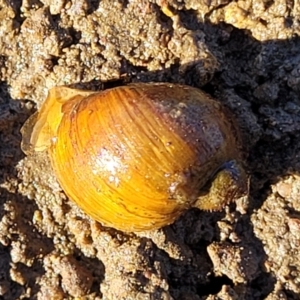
x=136, y=157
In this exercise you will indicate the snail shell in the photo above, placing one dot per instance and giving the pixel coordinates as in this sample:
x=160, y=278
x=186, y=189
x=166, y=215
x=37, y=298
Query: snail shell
x=135, y=157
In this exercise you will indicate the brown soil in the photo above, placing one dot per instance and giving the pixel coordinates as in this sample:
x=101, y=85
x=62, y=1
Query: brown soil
x=244, y=53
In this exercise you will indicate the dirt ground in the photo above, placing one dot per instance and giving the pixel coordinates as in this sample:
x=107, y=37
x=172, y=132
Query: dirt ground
x=244, y=53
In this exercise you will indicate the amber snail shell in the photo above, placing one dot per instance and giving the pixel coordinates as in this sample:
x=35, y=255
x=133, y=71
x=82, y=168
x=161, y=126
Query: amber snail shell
x=135, y=157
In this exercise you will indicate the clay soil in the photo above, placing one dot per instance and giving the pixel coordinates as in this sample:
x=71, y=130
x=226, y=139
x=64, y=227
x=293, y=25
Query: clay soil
x=246, y=54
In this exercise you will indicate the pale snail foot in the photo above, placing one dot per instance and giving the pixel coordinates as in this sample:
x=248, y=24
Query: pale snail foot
x=229, y=184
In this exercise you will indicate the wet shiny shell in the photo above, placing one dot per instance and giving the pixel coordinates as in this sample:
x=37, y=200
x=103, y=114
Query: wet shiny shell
x=134, y=157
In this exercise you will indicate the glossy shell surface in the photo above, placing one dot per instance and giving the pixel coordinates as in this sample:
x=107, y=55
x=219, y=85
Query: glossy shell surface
x=135, y=157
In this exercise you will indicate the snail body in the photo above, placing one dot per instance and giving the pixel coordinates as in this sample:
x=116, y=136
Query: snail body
x=135, y=157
